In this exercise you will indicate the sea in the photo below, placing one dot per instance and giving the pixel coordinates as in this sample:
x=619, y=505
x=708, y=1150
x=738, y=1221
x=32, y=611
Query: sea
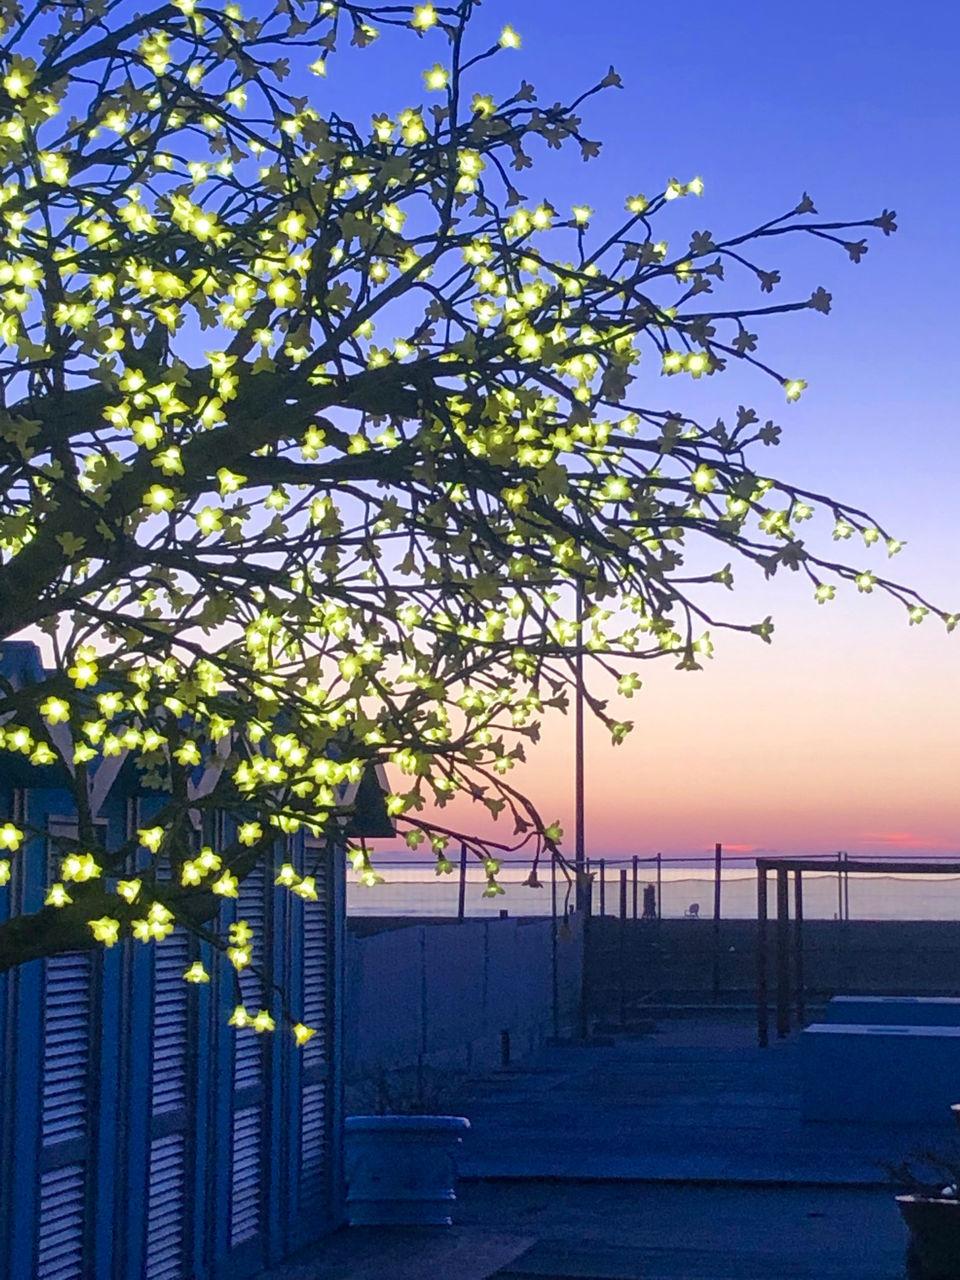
x=686, y=889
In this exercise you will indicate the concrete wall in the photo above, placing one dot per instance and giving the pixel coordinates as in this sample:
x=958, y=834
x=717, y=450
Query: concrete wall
x=441, y=995
x=676, y=957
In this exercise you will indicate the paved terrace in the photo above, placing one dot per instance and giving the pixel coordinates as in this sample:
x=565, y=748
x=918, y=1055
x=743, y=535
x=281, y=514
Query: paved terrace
x=674, y=1155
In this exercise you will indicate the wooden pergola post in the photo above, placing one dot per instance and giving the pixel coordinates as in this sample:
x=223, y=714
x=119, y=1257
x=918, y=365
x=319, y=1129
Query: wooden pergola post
x=762, y=1012
x=842, y=866
x=783, y=953
x=798, y=945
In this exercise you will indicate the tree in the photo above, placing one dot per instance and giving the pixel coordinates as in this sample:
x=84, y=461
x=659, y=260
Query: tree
x=309, y=426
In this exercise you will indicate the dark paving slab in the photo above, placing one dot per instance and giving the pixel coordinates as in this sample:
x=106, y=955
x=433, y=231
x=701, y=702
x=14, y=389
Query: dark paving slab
x=695, y=1100
x=657, y=1232
x=406, y=1253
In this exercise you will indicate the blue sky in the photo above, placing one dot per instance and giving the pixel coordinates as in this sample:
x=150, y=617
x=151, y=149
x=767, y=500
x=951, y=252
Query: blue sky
x=841, y=734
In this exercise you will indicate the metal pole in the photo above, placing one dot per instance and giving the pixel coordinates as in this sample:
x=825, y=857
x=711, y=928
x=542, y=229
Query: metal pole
x=580, y=839
x=636, y=871
x=659, y=911
x=798, y=945
x=553, y=945
x=461, y=897
x=762, y=1012
x=717, y=856
x=622, y=947
x=584, y=1019
x=846, y=891
x=783, y=953
x=839, y=887
x=603, y=889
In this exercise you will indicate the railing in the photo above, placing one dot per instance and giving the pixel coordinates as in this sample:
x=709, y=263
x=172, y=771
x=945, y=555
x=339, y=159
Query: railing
x=647, y=886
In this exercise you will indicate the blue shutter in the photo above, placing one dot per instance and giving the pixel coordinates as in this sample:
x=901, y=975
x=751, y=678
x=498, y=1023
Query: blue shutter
x=65, y=1117
x=60, y=1234
x=171, y=1093
x=166, y=1208
x=315, y=1155
x=248, y=1136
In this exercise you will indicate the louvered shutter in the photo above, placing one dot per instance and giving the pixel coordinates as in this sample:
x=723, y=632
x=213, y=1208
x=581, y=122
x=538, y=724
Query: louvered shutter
x=64, y=1119
x=66, y=1099
x=315, y=1153
x=171, y=1114
x=248, y=1126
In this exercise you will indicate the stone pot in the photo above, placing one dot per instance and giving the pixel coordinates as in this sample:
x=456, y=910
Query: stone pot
x=933, y=1252
x=401, y=1170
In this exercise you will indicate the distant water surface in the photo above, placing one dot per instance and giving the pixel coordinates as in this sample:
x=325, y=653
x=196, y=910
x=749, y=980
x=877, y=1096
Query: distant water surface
x=418, y=891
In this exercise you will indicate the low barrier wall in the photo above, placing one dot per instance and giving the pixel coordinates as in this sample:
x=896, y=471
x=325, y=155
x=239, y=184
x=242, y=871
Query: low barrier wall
x=680, y=958
x=442, y=995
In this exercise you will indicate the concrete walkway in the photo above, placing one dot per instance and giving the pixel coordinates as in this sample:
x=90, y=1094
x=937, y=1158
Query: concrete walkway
x=677, y=1155
x=697, y=1100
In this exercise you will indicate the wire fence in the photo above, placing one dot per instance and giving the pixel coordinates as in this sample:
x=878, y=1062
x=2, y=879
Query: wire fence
x=647, y=886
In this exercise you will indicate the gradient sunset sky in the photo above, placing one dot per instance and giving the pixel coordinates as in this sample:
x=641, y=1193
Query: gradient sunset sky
x=845, y=732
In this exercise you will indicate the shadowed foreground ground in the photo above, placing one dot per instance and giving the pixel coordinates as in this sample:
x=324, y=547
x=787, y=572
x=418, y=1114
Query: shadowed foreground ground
x=677, y=1155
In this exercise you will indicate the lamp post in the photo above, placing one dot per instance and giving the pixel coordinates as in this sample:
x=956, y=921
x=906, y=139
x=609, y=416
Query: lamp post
x=579, y=849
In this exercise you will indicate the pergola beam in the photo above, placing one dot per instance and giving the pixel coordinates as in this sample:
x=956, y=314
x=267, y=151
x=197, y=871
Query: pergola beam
x=782, y=867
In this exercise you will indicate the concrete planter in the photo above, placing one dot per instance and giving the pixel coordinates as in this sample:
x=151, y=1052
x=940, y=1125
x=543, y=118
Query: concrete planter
x=934, y=1249
x=401, y=1170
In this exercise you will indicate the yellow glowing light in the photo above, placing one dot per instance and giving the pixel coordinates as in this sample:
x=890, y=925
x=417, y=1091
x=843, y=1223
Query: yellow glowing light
x=307, y=889
x=424, y=17
x=158, y=498
x=105, y=930
x=10, y=836
x=226, y=886
x=437, y=78
x=239, y=957
x=129, y=890
x=509, y=39
x=4, y=871
x=302, y=1034
x=196, y=973
x=209, y=520
x=57, y=896
x=230, y=482
x=207, y=860
x=79, y=867
x=55, y=710
x=287, y=876
x=794, y=387
x=151, y=837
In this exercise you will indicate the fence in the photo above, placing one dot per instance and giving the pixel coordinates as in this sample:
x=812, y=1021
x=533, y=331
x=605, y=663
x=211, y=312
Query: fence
x=465, y=997
x=668, y=886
